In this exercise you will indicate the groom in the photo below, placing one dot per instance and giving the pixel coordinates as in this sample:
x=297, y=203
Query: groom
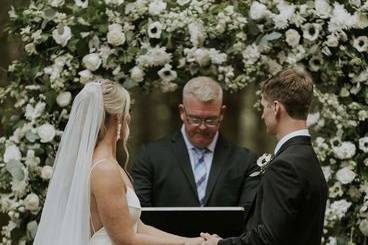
x=290, y=203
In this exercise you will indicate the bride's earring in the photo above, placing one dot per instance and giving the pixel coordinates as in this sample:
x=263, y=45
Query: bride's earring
x=118, y=131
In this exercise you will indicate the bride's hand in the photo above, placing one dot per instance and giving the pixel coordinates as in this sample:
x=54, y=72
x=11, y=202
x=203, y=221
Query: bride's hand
x=194, y=241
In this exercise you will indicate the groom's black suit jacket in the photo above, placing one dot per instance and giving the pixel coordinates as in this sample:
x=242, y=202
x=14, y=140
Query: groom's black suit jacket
x=290, y=203
x=163, y=175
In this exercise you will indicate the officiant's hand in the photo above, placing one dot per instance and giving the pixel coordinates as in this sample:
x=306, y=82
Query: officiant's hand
x=194, y=241
x=210, y=239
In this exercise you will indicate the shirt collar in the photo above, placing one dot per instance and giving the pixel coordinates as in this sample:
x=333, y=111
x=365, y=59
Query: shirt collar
x=301, y=132
x=210, y=147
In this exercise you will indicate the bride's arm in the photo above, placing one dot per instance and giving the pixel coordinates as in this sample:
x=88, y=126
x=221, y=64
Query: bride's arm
x=108, y=188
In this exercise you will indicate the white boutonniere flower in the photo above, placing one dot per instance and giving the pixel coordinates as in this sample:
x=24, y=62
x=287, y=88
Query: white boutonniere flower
x=262, y=163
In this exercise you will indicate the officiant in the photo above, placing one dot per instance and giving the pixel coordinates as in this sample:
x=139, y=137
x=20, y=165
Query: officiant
x=196, y=166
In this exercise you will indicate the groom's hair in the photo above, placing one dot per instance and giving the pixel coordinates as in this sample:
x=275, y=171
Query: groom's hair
x=293, y=88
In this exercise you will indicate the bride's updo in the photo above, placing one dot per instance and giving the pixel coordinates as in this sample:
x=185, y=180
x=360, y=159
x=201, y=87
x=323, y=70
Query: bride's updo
x=116, y=104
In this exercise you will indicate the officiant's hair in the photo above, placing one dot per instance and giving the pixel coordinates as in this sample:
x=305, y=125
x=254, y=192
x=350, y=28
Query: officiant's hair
x=116, y=101
x=292, y=87
x=205, y=89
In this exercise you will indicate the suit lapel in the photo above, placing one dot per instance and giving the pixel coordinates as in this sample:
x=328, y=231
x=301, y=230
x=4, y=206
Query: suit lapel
x=183, y=161
x=218, y=162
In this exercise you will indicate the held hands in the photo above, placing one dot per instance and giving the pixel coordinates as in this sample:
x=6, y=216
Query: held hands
x=210, y=239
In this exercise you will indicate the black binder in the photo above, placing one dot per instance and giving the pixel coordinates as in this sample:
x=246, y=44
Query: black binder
x=190, y=221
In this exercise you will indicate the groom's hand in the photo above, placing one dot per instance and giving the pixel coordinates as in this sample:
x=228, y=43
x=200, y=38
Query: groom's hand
x=210, y=239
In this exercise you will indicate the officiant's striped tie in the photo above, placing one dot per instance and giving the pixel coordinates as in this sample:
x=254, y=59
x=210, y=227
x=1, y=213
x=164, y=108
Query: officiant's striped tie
x=200, y=173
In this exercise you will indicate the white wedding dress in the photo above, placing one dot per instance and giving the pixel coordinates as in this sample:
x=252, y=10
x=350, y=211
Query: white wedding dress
x=101, y=237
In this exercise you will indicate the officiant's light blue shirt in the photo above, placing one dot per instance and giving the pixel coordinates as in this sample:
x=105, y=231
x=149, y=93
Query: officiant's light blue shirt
x=301, y=132
x=208, y=157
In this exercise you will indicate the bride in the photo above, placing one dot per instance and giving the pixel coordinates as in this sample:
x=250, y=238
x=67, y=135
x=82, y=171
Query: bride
x=90, y=199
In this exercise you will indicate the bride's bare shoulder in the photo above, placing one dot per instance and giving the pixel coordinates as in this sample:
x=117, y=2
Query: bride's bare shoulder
x=106, y=172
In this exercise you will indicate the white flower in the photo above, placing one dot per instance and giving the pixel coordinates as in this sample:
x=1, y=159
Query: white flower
x=363, y=144
x=292, y=37
x=263, y=160
x=182, y=2
x=62, y=35
x=340, y=207
x=64, y=98
x=92, y=61
x=137, y=74
x=361, y=43
x=114, y=2
x=217, y=58
x=46, y=132
x=56, y=3
x=154, y=57
x=363, y=227
x=168, y=87
x=156, y=7
x=341, y=19
x=312, y=119
x=32, y=202
x=315, y=63
x=46, y=172
x=258, y=11
x=311, y=31
x=12, y=152
x=202, y=57
x=115, y=36
x=32, y=228
x=286, y=12
x=30, y=48
x=31, y=159
x=81, y=3
x=167, y=74
x=345, y=175
x=197, y=34
x=332, y=40
x=326, y=172
x=85, y=76
x=33, y=113
x=155, y=29
x=323, y=8
x=345, y=151
x=251, y=54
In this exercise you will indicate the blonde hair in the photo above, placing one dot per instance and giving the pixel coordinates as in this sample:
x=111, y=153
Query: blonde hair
x=116, y=101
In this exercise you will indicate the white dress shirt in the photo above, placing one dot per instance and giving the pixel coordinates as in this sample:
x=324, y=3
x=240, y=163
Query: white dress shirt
x=301, y=132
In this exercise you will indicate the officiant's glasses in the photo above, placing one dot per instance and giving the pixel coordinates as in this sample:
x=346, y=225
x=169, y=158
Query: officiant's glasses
x=197, y=121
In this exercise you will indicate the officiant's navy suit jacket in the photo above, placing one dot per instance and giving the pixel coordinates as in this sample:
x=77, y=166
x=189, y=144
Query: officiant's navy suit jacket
x=163, y=175
x=290, y=203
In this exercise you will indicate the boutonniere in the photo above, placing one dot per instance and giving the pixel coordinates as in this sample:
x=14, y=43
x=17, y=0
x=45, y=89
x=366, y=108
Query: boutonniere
x=262, y=163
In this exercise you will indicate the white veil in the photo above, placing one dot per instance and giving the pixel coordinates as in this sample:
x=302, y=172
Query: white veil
x=66, y=214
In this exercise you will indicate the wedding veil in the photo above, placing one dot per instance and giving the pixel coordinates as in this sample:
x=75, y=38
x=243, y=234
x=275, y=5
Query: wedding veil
x=66, y=213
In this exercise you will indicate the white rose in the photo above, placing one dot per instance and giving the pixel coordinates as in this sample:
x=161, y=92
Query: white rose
x=292, y=37
x=62, y=35
x=345, y=151
x=156, y=7
x=257, y=11
x=92, y=61
x=82, y=4
x=340, y=207
x=63, y=99
x=202, y=57
x=56, y=3
x=345, y=175
x=12, y=152
x=116, y=36
x=363, y=227
x=32, y=202
x=46, y=132
x=85, y=76
x=137, y=74
x=46, y=172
